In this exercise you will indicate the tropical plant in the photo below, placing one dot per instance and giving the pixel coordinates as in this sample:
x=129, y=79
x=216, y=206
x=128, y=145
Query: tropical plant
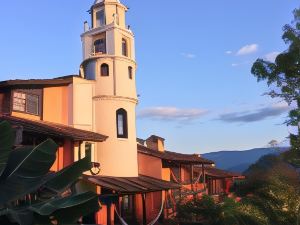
x=51, y=199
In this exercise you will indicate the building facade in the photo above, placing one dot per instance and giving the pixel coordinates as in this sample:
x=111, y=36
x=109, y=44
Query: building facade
x=138, y=181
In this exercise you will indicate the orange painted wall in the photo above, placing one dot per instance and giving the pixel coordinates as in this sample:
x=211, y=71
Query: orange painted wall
x=150, y=166
x=1, y=102
x=166, y=174
x=58, y=164
x=55, y=105
x=68, y=153
x=185, y=173
x=153, y=205
x=64, y=156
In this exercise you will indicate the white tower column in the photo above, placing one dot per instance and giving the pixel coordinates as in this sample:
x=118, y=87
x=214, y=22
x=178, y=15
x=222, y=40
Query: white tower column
x=109, y=59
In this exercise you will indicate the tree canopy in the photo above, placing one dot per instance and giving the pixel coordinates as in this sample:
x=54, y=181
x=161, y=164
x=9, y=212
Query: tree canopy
x=283, y=75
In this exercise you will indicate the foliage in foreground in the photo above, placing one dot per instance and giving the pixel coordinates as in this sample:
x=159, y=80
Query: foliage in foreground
x=273, y=187
x=271, y=196
x=208, y=212
x=24, y=173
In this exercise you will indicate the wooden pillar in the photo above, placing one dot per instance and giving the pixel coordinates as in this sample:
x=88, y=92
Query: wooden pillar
x=108, y=208
x=180, y=173
x=215, y=184
x=192, y=177
x=180, y=180
x=203, y=174
x=144, y=209
x=134, y=218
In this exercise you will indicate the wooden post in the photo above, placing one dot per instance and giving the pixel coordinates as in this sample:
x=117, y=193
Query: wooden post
x=203, y=174
x=144, y=209
x=108, y=213
x=180, y=180
x=134, y=208
x=192, y=177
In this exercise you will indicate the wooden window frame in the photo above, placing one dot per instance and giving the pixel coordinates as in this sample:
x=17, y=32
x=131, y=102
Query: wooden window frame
x=130, y=72
x=124, y=47
x=25, y=103
x=102, y=70
x=124, y=124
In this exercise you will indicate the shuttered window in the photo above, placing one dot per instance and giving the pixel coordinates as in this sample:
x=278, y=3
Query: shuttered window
x=27, y=103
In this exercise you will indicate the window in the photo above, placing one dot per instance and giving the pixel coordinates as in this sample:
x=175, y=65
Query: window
x=100, y=46
x=124, y=47
x=104, y=70
x=26, y=103
x=100, y=18
x=130, y=72
x=122, y=131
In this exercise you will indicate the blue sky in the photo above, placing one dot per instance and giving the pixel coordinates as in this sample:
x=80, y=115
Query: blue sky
x=194, y=62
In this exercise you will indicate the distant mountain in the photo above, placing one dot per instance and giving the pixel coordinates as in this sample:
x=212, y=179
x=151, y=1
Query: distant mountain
x=239, y=161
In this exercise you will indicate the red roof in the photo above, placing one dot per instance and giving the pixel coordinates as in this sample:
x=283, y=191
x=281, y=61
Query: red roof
x=54, y=129
x=174, y=156
x=59, y=81
x=218, y=173
x=130, y=185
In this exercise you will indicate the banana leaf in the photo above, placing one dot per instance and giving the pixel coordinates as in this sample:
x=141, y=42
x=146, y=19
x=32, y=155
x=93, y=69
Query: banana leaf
x=6, y=143
x=66, y=210
x=25, y=170
x=67, y=176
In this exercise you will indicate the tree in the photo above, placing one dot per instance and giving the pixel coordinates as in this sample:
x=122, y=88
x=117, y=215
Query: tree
x=208, y=212
x=273, y=143
x=283, y=75
x=273, y=187
x=24, y=172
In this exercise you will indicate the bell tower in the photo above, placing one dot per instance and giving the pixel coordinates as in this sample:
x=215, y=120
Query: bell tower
x=109, y=59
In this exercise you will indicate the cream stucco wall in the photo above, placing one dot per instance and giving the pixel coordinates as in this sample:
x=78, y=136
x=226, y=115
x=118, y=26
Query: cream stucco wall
x=117, y=156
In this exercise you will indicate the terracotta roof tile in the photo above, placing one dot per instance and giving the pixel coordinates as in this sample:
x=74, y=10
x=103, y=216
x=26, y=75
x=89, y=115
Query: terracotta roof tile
x=60, y=81
x=174, y=156
x=126, y=185
x=215, y=172
x=54, y=129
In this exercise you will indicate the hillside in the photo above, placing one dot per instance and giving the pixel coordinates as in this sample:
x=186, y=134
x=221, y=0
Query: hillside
x=239, y=161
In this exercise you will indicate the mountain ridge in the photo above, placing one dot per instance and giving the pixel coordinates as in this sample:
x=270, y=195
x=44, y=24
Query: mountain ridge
x=240, y=160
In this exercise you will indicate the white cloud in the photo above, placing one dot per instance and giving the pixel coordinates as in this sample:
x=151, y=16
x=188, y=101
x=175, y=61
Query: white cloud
x=188, y=55
x=248, y=49
x=271, y=56
x=256, y=114
x=228, y=52
x=171, y=113
x=240, y=64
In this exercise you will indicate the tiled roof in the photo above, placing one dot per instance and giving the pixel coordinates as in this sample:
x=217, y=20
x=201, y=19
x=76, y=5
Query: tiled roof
x=127, y=185
x=218, y=173
x=173, y=156
x=54, y=129
x=60, y=81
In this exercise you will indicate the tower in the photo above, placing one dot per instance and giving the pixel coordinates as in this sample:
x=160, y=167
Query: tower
x=109, y=59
